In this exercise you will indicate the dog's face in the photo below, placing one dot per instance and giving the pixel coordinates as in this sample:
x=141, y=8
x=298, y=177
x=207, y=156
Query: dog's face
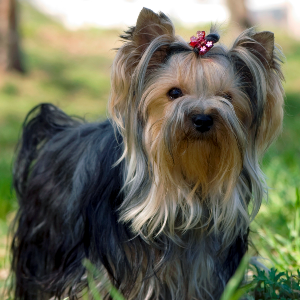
x=196, y=121
x=193, y=126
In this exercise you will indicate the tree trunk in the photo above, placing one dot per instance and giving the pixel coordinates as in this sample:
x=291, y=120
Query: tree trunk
x=240, y=18
x=10, y=56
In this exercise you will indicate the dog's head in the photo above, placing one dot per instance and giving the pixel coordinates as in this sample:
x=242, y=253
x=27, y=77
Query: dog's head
x=193, y=125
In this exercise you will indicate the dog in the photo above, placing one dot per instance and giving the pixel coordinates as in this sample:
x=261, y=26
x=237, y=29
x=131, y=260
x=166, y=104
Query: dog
x=160, y=196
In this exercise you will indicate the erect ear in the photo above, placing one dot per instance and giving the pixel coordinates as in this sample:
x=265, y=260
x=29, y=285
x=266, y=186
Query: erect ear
x=258, y=64
x=150, y=25
x=146, y=45
x=264, y=45
x=260, y=44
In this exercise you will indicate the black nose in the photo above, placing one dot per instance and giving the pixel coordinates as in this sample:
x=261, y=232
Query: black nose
x=202, y=122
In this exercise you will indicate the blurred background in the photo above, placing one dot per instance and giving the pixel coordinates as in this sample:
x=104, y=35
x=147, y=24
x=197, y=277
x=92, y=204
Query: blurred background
x=59, y=51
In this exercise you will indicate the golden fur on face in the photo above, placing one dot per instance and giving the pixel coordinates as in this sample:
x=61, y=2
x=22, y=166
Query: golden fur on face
x=205, y=159
x=179, y=178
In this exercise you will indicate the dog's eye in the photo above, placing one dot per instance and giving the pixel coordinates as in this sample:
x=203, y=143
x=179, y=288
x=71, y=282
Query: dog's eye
x=175, y=93
x=227, y=96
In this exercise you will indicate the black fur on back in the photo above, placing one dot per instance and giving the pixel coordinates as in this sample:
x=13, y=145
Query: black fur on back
x=68, y=193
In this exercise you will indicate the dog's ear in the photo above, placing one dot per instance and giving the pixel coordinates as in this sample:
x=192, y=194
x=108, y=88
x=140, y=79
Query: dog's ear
x=150, y=25
x=258, y=64
x=145, y=48
x=260, y=44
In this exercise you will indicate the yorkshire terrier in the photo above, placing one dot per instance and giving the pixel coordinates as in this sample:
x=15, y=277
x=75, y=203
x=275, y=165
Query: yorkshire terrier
x=160, y=196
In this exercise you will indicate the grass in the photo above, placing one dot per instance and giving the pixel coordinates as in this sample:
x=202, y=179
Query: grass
x=71, y=69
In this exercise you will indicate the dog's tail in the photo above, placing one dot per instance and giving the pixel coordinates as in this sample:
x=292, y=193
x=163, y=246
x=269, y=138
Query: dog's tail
x=32, y=229
x=41, y=124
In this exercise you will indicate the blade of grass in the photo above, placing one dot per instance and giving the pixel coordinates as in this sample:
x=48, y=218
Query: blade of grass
x=233, y=284
x=85, y=294
x=269, y=236
x=297, y=220
x=92, y=271
x=115, y=294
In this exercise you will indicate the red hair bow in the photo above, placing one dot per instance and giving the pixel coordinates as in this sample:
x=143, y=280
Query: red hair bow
x=201, y=43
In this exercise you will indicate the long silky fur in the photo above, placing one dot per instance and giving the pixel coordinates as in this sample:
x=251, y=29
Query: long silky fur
x=124, y=194
x=69, y=196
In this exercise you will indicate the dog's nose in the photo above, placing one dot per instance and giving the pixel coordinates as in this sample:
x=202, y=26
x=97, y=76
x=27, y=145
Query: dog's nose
x=202, y=122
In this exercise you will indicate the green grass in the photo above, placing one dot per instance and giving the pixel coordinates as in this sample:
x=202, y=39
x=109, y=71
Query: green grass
x=71, y=69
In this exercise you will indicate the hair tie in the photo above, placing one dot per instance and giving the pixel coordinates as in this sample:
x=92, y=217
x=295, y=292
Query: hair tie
x=203, y=44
